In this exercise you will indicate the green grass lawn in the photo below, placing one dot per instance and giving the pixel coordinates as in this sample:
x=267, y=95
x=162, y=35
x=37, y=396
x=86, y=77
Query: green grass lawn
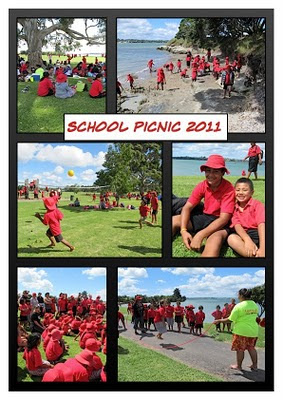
x=46, y=114
x=74, y=348
x=94, y=233
x=139, y=364
x=183, y=187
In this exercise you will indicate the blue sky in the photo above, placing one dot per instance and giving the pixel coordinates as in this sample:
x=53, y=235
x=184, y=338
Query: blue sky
x=193, y=282
x=50, y=162
x=147, y=28
x=66, y=280
x=229, y=150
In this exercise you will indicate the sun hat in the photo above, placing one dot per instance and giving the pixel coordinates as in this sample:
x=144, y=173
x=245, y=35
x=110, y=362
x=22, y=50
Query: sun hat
x=215, y=161
x=49, y=203
x=92, y=345
x=191, y=306
x=61, y=78
x=56, y=334
x=64, y=371
x=51, y=327
x=85, y=358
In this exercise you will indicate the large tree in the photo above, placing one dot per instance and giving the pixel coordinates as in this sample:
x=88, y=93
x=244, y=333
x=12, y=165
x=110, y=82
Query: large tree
x=130, y=167
x=37, y=32
x=258, y=296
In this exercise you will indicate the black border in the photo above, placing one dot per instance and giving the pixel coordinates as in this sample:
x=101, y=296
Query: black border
x=166, y=260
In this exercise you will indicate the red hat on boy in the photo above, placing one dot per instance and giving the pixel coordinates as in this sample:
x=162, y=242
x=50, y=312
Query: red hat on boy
x=215, y=161
x=49, y=203
x=56, y=335
x=85, y=358
x=92, y=345
x=61, y=78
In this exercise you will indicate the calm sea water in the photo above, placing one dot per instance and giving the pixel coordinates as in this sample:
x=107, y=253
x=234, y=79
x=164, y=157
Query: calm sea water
x=209, y=305
x=132, y=58
x=191, y=167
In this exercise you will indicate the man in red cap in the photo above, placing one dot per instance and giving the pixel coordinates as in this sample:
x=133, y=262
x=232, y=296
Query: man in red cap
x=52, y=217
x=207, y=222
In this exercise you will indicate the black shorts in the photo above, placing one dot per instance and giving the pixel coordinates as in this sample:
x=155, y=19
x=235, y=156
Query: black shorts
x=178, y=319
x=76, y=331
x=154, y=212
x=218, y=326
x=225, y=87
x=201, y=221
x=253, y=163
x=253, y=234
x=58, y=238
x=151, y=320
x=23, y=318
x=198, y=326
x=192, y=323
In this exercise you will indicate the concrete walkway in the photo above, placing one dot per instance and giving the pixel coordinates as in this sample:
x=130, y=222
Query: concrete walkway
x=202, y=353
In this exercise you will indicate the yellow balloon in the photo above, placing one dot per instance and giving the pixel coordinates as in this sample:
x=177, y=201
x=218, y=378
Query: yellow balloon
x=71, y=172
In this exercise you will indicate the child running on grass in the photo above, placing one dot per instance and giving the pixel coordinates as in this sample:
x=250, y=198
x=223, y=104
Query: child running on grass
x=248, y=222
x=207, y=222
x=52, y=217
x=144, y=210
x=200, y=317
x=217, y=314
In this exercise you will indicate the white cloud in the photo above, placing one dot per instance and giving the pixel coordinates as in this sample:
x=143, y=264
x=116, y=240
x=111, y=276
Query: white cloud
x=132, y=273
x=188, y=271
x=88, y=175
x=161, y=281
x=94, y=272
x=142, y=29
x=34, y=279
x=26, y=151
x=129, y=287
x=59, y=170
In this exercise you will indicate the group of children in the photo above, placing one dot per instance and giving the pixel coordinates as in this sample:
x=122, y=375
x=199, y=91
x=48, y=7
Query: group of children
x=54, y=78
x=81, y=317
x=199, y=66
x=227, y=213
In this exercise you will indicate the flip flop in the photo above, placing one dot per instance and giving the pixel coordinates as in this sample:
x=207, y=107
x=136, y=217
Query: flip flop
x=236, y=367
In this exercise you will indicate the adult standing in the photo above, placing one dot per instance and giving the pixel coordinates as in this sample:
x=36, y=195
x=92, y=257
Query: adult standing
x=40, y=300
x=33, y=302
x=255, y=158
x=138, y=315
x=47, y=302
x=245, y=329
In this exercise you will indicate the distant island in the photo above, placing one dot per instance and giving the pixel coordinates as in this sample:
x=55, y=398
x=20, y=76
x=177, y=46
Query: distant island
x=205, y=158
x=140, y=41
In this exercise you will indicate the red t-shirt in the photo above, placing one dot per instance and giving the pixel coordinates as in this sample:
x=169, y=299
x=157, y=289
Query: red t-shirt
x=231, y=306
x=154, y=203
x=62, y=303
x=144, y=210
x=97, y=362
x=252, y=215
x=53, y=218
x=225, y=313
x=217, y=314
x=179, y=310
x=44, y=86
x=151, y=313
x=75, y=324
x=101, y=308
x=200, y=316
x=53, y=350
x=169, y=310
x=24, y=309
x=190, y=315
x=159, y=314
x=120, y=315
x=254, y=151
x=96, y=88
x=215, y=202
x=80, y=373
x=33, y=359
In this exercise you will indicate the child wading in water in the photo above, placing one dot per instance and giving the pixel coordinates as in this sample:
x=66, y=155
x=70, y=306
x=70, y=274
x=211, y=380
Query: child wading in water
x=52, y=217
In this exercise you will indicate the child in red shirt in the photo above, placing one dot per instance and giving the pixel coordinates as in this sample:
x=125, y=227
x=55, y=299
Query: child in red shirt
x=45, y=86
x=207, y=222
x=55, y=347
x=150, y=316
x=160, y=78
x=171, y=67
x=217, y=314
x=154, y=207
x=52, y=217
x=255, y=157
x=130, y=79
x=144, y=210
x=96, y=90
x=248, y=222
x=34, y=363
x=190, y=316
x=200, y=317
x=122, y=319
x=179, y=65
x=179, y=315
x=225, y=314
x=169, y=311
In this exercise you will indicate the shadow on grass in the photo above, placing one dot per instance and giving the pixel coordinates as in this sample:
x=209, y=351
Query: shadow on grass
x=23, y=374
x=37, y=250
x=141, y=249
x=122, y=351
x=127, y=227
x=81, y=209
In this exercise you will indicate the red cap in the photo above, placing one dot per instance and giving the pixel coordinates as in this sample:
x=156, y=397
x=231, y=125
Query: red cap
x=61, y=78
x=191, y=306
x=138, y=298
x=56, y=334
x=49, y=203
x=92, y=345
x=214, y=161
x=85, y=358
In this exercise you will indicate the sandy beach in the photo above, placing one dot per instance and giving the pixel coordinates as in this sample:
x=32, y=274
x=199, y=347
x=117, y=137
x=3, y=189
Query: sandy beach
x=245, y=107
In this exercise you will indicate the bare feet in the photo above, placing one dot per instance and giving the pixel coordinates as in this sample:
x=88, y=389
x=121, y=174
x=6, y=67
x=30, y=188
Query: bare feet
x=72, y=248
x=253, y=367
x=236, y=367
x=51, y=245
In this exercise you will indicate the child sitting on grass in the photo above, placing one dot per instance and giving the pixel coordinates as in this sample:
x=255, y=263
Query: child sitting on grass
x=52, y=217
x=144, y=210
x=34, y=363
x=248, y=222
x=207, y=222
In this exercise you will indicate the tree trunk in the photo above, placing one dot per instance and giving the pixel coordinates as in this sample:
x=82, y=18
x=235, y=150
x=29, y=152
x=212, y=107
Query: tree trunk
x=34, y=41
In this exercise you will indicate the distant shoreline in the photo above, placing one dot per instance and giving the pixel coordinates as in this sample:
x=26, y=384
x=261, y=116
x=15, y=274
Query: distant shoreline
x=205, y=158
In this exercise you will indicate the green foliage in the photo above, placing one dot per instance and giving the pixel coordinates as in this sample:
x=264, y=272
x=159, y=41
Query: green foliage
x=258, y=296
x=154, y=299
x=131, y=167
x=139, y=364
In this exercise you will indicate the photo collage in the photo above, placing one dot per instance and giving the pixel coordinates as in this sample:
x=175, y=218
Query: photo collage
x=140, y=263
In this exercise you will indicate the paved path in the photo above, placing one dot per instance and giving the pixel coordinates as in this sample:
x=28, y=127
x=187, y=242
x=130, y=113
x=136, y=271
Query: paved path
x=203, y=353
